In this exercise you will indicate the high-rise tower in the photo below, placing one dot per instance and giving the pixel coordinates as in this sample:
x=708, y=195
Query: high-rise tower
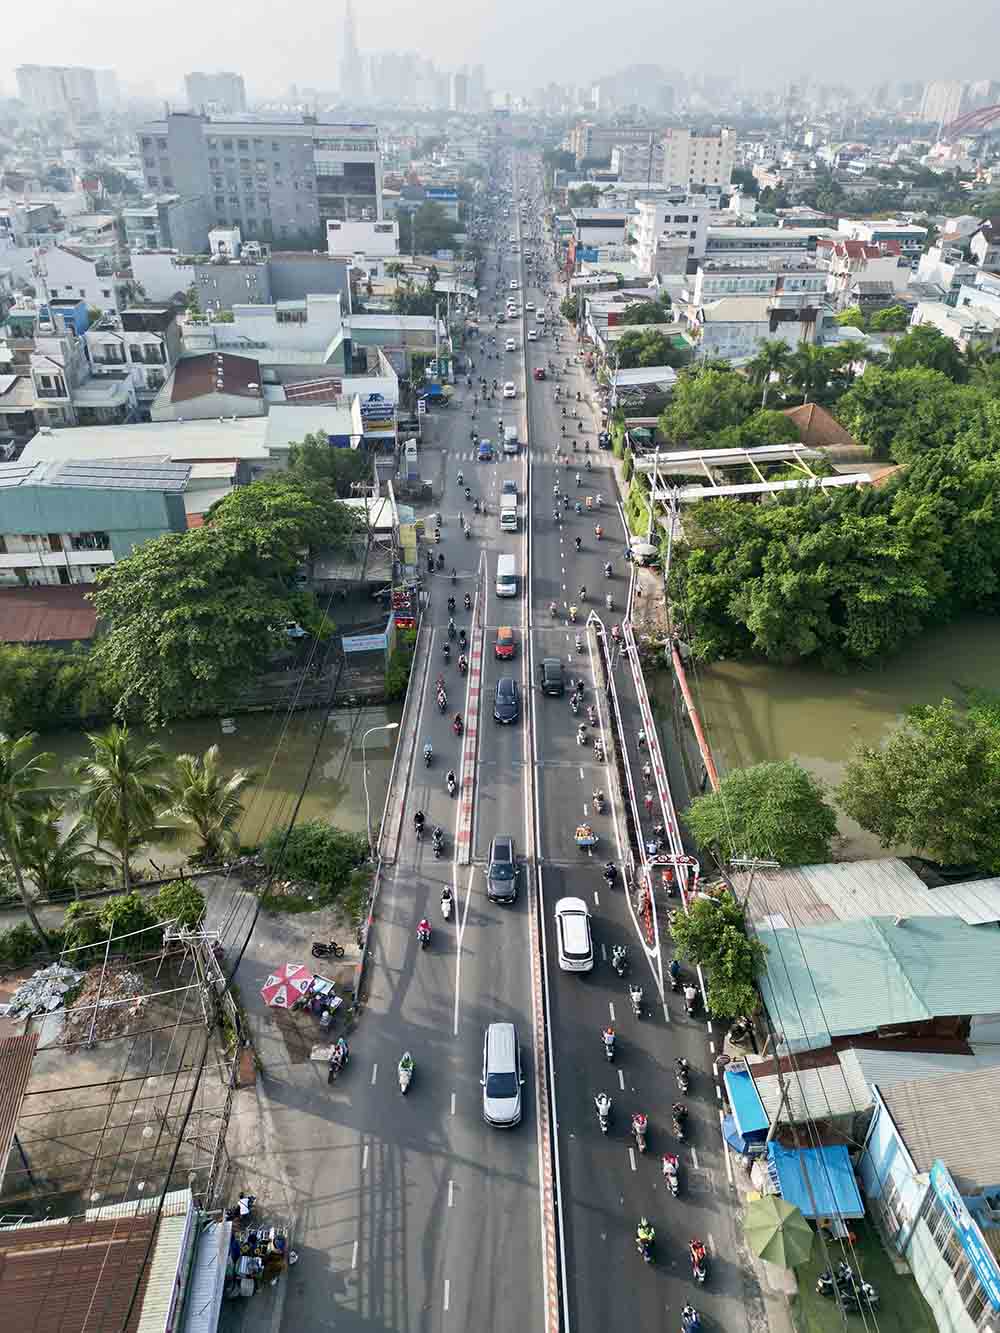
x=351, y=80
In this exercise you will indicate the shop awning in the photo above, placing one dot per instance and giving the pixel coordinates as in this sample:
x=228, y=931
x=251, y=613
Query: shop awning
x=830, y=1178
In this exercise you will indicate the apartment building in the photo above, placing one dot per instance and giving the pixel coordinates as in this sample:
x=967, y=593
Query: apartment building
x=695, y=161
x=848, y=263
x=670, y=232
x=275, y=180
x=223, y=92
x=53, y=89
x=638, y=161
x=909, y=235
x=64, y=522
x=144, y=342
x=168, y=222
x=741, y=243
x=590, y=142
x=788, y=282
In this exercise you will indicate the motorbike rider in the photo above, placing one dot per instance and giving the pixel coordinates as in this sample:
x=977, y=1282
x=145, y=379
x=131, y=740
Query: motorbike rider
x=456, y=724
x=608, y=1038
x=610, y=872
x=607, y=570
x=578, y=542
x=446, y=896
x=644, y=1233
x=450, y=779
x=424, y=929
x=679, y=1111
x=690, y=996
x=583, y=592
x=697, y=1252
x=418, y=819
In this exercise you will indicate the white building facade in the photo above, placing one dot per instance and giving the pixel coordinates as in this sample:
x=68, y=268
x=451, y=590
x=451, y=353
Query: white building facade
x=696, y=161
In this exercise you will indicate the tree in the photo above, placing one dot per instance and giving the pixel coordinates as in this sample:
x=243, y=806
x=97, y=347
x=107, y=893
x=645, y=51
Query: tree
x=182, y=902
x=22, y=800
x=650, y=348
x=58, y=856
x=810, y=369
x=851, y=318
x=772, y=810
x=773, y=355
x=426, y=229
x=893, y=319
x=901, y=414
x=926, y=346
x=659, y=311
x=934, y=785
x=315, y=459
x=704, y=402
x=203, y=800
x=121, y=792
x=586, y=196
x=712, y=935
x=768, y=426
x=282, y=514
x=569, y=308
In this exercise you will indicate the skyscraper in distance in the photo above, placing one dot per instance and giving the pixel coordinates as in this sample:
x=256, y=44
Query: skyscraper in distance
x=351, y=77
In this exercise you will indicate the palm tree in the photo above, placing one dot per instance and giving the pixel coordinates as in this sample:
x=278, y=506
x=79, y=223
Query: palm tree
x=21, y=800
x=56, y=857
x=121, y=792
x=809, y=370
x=206, y=801
x=772, y=358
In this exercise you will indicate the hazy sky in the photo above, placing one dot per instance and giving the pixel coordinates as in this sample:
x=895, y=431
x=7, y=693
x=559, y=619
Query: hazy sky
x=522, y=43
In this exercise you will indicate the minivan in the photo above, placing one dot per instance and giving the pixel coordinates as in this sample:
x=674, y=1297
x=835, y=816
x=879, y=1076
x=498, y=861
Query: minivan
x=506, y=584
x=501, y=873
x=576, y=948
x=502, y=1078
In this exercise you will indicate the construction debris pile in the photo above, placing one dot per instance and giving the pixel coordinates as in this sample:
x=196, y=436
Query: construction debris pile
x=116, y=999
x=44, y=991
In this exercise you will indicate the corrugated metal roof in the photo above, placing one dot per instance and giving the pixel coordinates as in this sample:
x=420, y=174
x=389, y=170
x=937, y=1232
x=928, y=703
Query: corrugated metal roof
x=838, y=891
x=54, y=614
x=954, y=1119
x=16, y=1054
x=847, y=977
x=976, y=902
x=166, y=1271
x=887, y=1067
x=176, y=1203
x=208, y=1279
x=815, y=1093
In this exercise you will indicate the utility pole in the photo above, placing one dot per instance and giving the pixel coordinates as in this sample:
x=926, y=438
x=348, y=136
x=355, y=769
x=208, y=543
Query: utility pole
x=753, y=864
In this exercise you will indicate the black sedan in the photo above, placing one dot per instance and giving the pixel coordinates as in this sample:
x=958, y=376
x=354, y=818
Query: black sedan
x=507, y=704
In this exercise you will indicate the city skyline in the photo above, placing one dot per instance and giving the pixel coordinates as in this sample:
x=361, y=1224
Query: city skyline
x=900, y=43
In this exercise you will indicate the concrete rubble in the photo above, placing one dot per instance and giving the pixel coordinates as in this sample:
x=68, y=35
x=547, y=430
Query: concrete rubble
x=114, y=1018
x=44, y=991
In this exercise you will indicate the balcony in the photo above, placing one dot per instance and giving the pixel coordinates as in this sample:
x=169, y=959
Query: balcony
x=55, y=559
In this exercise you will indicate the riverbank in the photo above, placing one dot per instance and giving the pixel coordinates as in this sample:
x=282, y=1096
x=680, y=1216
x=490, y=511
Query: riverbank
x=755, y=711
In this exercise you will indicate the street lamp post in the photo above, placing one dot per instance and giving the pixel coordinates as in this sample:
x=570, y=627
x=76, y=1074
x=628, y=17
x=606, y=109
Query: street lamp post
x=386, y=726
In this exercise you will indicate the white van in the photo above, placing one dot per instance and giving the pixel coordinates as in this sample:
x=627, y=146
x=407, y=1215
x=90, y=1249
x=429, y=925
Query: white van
x=502, y=1078
x=508, y=515
x=576, y=948
x=510, y=440
x=506, y=576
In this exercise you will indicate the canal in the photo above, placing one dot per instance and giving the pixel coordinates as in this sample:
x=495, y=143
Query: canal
x=755, y=711
x=280, y=747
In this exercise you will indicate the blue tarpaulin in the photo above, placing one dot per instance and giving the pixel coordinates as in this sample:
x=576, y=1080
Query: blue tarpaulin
x=748, y=1112
x=736, y=1141
x=830, y=1174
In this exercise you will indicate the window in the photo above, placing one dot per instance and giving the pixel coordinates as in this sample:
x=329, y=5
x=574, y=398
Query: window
x=275, y=146
x=220, y=203
x=153, y=182
x=168, y=182
x=227, y=145
x=146, y=141
x=258, y=143
x=213, y=164
x=212, y=143
x=243, y=144
x=217, y=182
x=161, y=143
x=244, y=164
x=106, y=293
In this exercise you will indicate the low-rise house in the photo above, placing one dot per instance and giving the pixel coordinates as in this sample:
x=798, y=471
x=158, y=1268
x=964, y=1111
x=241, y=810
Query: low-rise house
x=210, y=385
x=984, y=245
x=144, y=340
x=969, y=325
x=848, y=263
x=63, y=522
x=733, y=327
x=69, y=393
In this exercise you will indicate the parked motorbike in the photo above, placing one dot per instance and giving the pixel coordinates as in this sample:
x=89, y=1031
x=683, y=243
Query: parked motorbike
x=327, y=949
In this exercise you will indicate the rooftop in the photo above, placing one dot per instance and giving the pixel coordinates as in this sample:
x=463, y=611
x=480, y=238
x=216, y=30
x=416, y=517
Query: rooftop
x=953, y=1119
x=47, y=615
x=102, y=474
x=850, y=977
x=736, y=310
x=215, y=372
x=179, y=441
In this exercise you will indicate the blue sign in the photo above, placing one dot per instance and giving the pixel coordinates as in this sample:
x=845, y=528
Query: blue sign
x=376, y=408
x=969, y=1236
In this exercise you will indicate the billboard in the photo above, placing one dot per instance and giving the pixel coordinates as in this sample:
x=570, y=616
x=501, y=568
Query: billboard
x=967, y=1233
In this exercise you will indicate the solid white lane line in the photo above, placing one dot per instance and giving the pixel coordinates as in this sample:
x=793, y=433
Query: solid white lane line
x=597, y=899
x=718, y=1092
x=711, y=1047
x=453, y=1103
x=451, y=1193
x=374, y=1074
x=694, y=1158
x=364, y=1159
x=447, y=1293
x=354, y=1255
x=621, y=1080
x=461, y=933
x=631, y=1158
x=666, y=1011
x=604, y=954
x=611, y=1009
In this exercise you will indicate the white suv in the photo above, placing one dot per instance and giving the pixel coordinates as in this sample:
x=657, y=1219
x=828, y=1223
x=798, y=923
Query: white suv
x=576, y=948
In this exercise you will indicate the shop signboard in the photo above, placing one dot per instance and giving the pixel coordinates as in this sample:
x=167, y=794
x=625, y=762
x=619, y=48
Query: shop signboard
x=967, y=1233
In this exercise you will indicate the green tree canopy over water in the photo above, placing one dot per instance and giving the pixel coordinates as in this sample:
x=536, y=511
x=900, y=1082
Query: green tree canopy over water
x=772, y=811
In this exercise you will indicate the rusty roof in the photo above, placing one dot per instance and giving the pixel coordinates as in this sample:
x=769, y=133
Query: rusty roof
x=75, y=1277
x=16, y=1054
x=47, y=615
x=215, y=372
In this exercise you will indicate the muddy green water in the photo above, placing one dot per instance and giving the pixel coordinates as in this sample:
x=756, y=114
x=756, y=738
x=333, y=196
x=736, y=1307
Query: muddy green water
x=757, y=712
x=280, y=750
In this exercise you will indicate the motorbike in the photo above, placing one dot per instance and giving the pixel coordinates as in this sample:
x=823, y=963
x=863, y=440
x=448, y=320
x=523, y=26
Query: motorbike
x=639, y=1125
x=463, y=665
x=574, y=704
x=644, y=1244
x=669, y=1167
x=418, y=825
x=404, y=1071
x=578, y=543
x=608, y=1038
x=438, y=845
x=456, y=725
x=699, y=1261
x=572, y=615
x=468, y=601
x=463, y=638
x=428, y=755
x=442, y=702
x=592, y=715
x=588, y=466
x=424, y=936
x=599, y=805
x=610, y=875
x=690, y=999
x=451, y=784
x=440, y=560
x=679, y=1111
x=581, y=734
x=598, y=532
x=599, y=749
x=690, y=1320
x=446, y=901
x=635, y=999
x=602, y=1102
x=609, y=601
x=682, y=1072
x=578, y=644
x=451, y=605
x=619, y=959
x=338, y=1062
x=327, y=949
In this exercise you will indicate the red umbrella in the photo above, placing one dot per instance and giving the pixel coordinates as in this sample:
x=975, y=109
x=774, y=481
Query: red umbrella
x=286, y=985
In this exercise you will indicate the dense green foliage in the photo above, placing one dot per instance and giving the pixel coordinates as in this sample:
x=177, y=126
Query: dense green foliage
x=900, y=414
x=314, y=459
x=397, y=675
x=317, y=853
x=192, y=617
x=650, y=348
x=705, y=402
x=712, y=935
x=772, y=811
x=659, y=311
x=934, y=785
x=181, y=902
x=43, y=687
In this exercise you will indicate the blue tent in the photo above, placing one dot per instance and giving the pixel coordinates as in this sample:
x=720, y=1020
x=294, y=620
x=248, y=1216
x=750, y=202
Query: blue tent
x=749, y=1116
x=829, y=1173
